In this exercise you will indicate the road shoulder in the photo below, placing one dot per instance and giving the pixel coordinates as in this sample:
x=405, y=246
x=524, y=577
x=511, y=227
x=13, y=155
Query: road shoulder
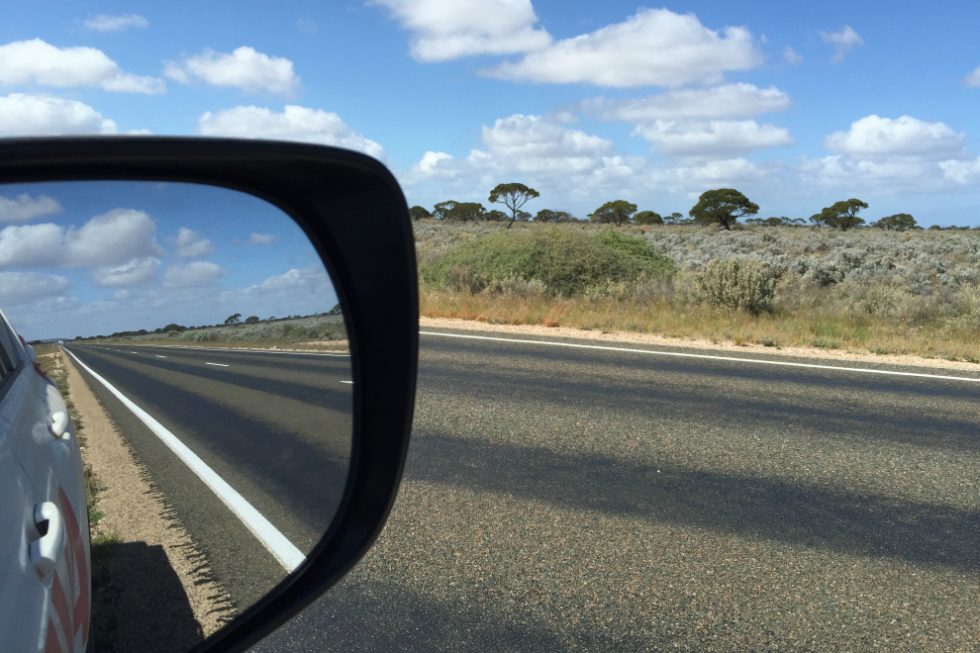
x=653, y=340
x=153, y=590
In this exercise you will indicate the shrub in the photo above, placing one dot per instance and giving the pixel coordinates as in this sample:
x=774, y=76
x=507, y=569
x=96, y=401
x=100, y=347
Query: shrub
x=564, y=262
x=737, y=284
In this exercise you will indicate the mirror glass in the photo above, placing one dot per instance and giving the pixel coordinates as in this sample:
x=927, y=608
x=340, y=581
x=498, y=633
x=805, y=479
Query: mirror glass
x=201, y=347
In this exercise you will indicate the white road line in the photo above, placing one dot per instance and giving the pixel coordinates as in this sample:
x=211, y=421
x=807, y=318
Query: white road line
x=271, y=538
x=133, y=352
x=348, y=382
x=217, y=364
x=159, y=356
x=678, y=354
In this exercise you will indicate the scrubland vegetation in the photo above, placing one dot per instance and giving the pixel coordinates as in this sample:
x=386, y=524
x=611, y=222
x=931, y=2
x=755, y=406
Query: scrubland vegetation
x=859, y=289
x=325, y=331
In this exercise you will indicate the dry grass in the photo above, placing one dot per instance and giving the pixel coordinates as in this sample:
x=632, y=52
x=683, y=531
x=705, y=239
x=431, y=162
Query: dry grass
x=803, y=328
x=915, y=293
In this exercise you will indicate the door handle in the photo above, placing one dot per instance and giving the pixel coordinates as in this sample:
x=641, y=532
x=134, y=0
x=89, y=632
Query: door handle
x=46, y=548
x=59, y=423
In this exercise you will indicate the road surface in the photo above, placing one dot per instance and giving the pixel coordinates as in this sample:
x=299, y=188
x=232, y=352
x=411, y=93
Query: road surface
x=274, y=427
x=568, y=498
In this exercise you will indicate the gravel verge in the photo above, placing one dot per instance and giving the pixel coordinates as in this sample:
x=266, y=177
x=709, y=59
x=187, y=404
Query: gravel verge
x=152, y=587
x=650, y=339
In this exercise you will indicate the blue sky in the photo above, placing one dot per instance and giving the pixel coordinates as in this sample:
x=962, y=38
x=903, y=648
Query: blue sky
x=90, y=258
x=796, y=104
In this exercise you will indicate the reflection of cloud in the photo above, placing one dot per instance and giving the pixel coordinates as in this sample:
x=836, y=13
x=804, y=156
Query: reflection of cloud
x=18, y=287
x=190, y=243
x=109, y=239
x=136, y=271
x=194, y=273
x=260, y=239
x=24, y=208
x=309, y=279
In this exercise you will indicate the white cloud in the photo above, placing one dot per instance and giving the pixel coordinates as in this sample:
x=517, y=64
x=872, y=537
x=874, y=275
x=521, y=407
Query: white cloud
x=653, y=47
x=294, y=123
x=36, y=62
x=109, y=239
x=715, y=103
x=710, y=174
x=450, y=29
x=190, y=243
x=552, y=158
x=891, y=155
x=904, y=136
x=973, y=79
x=194, y=273
x=23, y=207
x=115, y=23
x=533, y=143
x=791, y=56
x=34, y=115
x=243, y=68
x=19, y=287
x=310, y=280
x=961, y=172
x=260, y=239
x=307, y=26
x=883, y=175
x=133, y=272
x=843, y=41
x=714, y=138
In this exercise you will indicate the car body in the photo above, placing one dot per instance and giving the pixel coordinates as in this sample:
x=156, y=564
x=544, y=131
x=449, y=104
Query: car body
x=44, y=545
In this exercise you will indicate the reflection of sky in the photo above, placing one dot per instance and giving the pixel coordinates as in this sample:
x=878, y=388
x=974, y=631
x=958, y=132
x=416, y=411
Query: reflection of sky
x=110, y=256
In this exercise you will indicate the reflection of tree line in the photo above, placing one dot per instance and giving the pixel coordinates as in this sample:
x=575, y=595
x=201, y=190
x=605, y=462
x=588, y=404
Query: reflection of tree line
x=332, y=318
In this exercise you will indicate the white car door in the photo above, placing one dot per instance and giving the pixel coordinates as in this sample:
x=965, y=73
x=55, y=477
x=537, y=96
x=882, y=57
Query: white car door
x=44, y=555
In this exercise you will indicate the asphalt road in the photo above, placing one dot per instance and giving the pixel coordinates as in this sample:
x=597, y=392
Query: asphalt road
x=276, y=427
x=587, y=499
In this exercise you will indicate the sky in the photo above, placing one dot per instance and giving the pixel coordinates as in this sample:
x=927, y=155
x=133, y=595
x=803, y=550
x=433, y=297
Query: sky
x=798, y=105
x=92, y=258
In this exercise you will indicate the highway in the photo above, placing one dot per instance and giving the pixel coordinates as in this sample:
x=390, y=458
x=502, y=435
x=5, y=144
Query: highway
x=572, y=498
x=275, y=427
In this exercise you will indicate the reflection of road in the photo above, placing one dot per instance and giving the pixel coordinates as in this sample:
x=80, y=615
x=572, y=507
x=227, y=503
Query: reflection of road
x=275, y=427
x=584, y=499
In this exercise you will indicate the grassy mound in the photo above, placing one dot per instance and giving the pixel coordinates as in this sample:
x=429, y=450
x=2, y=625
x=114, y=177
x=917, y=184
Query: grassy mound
x=559, y=262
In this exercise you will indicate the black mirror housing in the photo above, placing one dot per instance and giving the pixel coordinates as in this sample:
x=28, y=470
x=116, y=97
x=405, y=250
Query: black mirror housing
x=354, y=213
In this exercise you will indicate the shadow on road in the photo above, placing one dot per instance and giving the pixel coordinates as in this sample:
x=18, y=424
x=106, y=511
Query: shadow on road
x=138, y=601
x=838, y=520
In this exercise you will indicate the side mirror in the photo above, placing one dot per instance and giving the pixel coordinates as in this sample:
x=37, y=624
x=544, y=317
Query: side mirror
x=350, y=211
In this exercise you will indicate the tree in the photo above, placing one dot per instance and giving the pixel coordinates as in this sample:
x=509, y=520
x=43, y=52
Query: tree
x=722, y=206
x=513, y=196
x=675, y=218
x=648, y=217
x=897, y=222
x=841, y=215
x=418, y=212
x=453, y=211
x=547, y=215
x=781, y=221
x=233, y=319
x=252, y=319
x=616, y=212
x=496, y=216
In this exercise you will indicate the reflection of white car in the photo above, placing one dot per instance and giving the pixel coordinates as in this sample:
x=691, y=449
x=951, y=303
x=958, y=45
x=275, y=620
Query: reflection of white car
x=44, y=542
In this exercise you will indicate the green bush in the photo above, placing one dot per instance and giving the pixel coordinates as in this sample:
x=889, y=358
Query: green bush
x=737, y=284
x=564, y=262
